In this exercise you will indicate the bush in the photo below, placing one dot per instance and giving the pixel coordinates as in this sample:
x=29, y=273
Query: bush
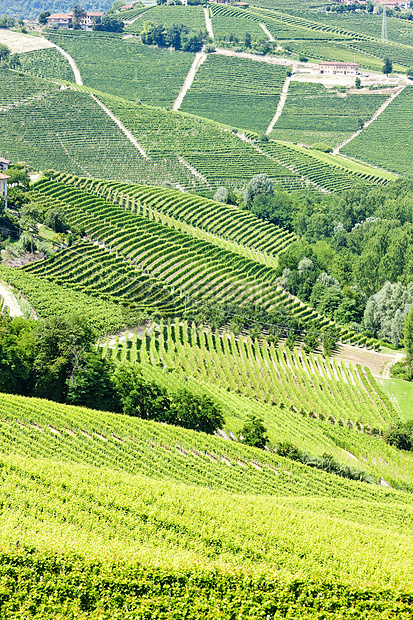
x=400, y=436
x=254, y=432
x=320, y=146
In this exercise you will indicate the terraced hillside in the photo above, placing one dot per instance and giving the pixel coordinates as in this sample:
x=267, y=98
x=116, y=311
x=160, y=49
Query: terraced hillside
x=195, y=267
x=68, y=129
x=386, y=141
x=223, y=158
x=161, y=252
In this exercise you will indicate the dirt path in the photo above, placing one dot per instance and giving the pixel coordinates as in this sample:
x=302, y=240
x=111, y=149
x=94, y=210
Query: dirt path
x=76, y=72
x=199, y=59
x=378, y=363
x=268, y=33
x=10, y=300
x=270, y=60
x=280, y=106
x=127, y=133
x=377, y=113
x=208, y=23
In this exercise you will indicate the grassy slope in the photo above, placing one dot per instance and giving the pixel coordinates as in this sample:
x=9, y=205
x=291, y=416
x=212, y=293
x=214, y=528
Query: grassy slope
x=402, y=391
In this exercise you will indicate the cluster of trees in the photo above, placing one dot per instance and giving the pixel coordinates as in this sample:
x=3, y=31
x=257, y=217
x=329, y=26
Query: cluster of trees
x=108, y=23
x=326, y=463
x=57, y=360
x=7, y=22
x=7, y=59
x=178, y=36
x=350, y=247
x=355, y=6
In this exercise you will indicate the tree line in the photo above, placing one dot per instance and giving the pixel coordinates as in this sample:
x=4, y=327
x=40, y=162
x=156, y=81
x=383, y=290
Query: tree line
x=57, y=359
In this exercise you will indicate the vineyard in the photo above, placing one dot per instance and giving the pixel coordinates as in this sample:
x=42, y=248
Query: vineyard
x=386, y=142
x=195, y=267
x=108, y=516
x=229, y=21
x=127, y=68
x=191, y=16
x=236, y=92
x=174, y=242
x=314, y=113
x=48, y=63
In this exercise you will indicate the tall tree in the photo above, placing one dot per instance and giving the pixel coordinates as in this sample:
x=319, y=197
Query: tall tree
x=78, y=14
x=388, y=66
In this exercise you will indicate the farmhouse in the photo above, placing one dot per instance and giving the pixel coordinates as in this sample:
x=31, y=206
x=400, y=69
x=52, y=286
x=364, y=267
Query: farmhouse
x=4, y=164
x=3, y=185
x=402, y=4
x=65, y=20
x=333, y=68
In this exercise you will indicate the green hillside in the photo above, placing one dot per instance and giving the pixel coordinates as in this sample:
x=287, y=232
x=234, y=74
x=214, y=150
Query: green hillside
x=126, y=68
x=236, y=92
x=314, y=113
x=190, y=16
x=180, y=271
x=386, y=142
x=95, y=486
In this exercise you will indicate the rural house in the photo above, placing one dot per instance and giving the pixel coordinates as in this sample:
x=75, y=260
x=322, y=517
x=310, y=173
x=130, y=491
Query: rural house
x=334, y=68
x=65, y=20
x=4, y=164
x=3, y=185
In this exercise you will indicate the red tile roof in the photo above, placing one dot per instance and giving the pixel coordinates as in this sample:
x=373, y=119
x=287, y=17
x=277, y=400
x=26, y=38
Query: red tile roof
x=3, y=177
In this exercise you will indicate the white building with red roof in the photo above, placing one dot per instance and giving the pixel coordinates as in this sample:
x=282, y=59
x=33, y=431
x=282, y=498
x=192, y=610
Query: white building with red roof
x=65, y=20
x=4, y=164
x=3, y=185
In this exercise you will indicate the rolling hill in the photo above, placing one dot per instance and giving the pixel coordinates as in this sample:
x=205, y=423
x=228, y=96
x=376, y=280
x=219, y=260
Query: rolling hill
x=105, y=515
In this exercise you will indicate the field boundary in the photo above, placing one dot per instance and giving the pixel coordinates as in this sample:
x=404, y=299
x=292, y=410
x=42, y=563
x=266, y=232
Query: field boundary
x=199, y=59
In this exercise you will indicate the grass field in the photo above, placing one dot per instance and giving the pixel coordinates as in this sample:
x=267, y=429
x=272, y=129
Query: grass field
x=402, y=391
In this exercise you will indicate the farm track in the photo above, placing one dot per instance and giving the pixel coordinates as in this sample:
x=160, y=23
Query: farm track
x=10, y=300
x=280, y=106
x=376, y=114
x=199, y=59
x=208, y=23
x=268, y=33
x=76, y=72
x=121, y=126
x=378, y=363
